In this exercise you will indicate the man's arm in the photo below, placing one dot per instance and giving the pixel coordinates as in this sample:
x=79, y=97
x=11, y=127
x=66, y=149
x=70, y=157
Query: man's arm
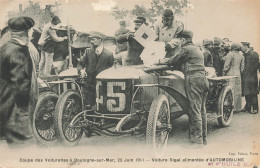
x=124, y=37
x=178, y=57
x=54, y=36
x=242, y=65
x=83, y=61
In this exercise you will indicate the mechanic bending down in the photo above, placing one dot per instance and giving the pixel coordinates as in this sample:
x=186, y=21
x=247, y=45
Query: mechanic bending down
x=94, y=60
x=196, y=85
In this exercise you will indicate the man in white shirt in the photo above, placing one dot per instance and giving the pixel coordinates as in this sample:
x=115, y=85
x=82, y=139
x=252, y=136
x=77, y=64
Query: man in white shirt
x=47, y=42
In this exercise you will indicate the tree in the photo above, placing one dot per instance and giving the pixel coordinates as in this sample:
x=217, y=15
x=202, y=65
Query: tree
x=119, y=13
x=33, y=10
x=154, y=11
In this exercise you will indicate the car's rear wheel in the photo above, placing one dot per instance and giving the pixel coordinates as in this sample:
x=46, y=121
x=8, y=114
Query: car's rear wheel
x=68, y=106
x=43, y=122
x=225, y=106
x=158, y=125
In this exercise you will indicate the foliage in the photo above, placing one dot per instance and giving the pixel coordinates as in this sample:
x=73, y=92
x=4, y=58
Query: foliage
x=154, y=11
x=33, y=10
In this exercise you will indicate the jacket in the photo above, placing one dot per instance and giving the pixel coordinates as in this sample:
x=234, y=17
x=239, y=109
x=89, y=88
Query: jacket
x=134, y=49
x=18, y=88
x=249, y=77
x=191, y=59
x=94, y=64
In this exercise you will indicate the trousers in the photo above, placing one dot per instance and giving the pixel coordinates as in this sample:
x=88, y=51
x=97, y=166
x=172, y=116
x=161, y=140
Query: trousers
x=45, y=64
x=196, y=87
x=251, y=100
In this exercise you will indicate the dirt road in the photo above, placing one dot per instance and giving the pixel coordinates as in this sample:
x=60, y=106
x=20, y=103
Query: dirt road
x=238, y=145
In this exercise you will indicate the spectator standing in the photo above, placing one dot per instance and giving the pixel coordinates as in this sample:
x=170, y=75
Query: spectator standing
x=134, y=48
x=208, y=59
x=18, y=85
x=234, y=66
x=121, y=48
x=250, y=78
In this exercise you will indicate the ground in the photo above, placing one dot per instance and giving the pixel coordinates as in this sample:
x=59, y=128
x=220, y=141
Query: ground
x=238, y=143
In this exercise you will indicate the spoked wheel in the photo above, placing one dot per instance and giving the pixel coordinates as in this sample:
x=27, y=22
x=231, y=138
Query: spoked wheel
x=43, y=122
x=68, y=106
x=158, y=125
x=225, y=107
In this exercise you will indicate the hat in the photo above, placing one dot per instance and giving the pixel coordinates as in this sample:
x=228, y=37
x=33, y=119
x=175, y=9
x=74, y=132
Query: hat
x=55, y=20
x=95, y=34
x=226, y=40
x=235, y=46
x=246, y=43
x=185, y=34
x=217, y=41
x=207, y=42
x=122, y=22
x=167, y=13
x=18, y=24
x=140, y=19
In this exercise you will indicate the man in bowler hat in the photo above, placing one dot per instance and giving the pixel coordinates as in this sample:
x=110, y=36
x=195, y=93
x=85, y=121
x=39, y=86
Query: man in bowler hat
x=18, y=85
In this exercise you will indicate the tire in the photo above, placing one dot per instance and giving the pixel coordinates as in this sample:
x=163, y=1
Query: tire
x=43, y=122
x=225, y=106
x=67, y=107
x=159, y=115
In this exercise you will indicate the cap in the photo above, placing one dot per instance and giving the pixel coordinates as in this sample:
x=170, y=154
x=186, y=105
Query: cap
x=55, y=20
x=95, y=34
x=18, y=24
x=140, y=19
x=226, y=40
x=235, y=46
x=207, y=42
x=167, y=13
x=217, y=41
x=246, y=43
x=185, y=34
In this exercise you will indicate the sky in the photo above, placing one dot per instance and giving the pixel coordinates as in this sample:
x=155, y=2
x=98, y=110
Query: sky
x=238, y=20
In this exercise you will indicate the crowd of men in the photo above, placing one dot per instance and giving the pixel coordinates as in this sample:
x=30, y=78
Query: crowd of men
x=19, y=90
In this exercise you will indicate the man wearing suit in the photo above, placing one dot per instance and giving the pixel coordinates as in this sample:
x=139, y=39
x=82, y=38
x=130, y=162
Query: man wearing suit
x=95, y=60
x=134, y=48
x=250, y=78
x=18, y=85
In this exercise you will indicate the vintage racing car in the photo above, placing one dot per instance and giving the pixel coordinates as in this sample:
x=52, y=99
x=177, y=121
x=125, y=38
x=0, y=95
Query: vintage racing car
x=129, y=100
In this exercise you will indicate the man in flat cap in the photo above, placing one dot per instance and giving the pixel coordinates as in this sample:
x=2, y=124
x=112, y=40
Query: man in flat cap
x=95, y=60
x=250, y=79
x=134, y=47
x=121, y=48
x=196, y=86
x=47, y=42
x=18, y=85
x=207, y=47
x=168, y=30
x=217, y=54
